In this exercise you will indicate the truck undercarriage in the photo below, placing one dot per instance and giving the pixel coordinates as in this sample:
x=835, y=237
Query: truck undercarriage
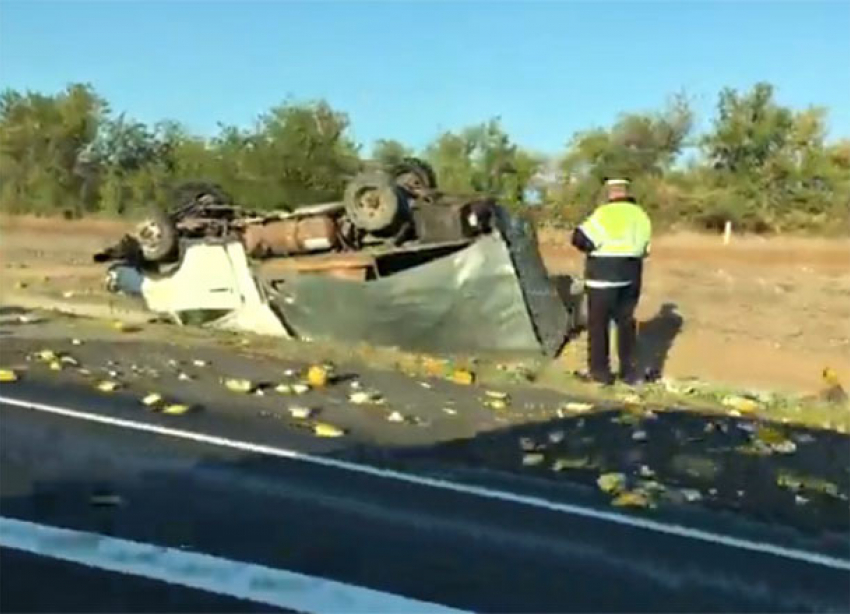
x=396, y=263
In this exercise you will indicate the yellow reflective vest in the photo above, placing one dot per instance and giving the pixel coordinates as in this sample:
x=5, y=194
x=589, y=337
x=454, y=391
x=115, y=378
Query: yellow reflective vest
x=618, y=229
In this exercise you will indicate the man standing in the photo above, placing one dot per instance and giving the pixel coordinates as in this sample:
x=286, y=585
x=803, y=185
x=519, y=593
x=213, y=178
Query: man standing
x=616, y=239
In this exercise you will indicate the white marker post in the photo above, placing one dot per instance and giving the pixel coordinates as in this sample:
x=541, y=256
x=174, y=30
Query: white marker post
x=727, y=232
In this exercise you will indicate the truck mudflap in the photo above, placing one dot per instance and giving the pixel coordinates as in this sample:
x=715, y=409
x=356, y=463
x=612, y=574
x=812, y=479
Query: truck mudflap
x=553, y=315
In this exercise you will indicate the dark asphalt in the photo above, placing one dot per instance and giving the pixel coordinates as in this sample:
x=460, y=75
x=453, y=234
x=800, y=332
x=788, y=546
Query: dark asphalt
x=451, y=548
x=36, y=584
x=685, y=450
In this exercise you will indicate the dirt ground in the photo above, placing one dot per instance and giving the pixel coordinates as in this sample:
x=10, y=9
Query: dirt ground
x=762, y=313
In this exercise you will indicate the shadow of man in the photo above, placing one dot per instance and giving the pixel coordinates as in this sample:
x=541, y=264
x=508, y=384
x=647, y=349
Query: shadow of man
x=655, y=339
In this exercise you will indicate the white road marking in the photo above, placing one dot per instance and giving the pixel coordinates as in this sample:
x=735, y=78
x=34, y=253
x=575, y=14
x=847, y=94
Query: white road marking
x=813, y=558
x=247, y=581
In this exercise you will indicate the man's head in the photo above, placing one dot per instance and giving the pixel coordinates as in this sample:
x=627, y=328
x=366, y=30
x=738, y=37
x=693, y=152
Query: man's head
x=616, y=189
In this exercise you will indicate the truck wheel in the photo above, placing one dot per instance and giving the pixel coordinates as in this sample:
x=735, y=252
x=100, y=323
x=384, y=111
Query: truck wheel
x=372, y=202
x=157, y=235
x=415, y=176
x=198, y=194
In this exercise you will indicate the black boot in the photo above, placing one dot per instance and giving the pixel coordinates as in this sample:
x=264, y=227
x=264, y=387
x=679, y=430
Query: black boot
x=631, y=378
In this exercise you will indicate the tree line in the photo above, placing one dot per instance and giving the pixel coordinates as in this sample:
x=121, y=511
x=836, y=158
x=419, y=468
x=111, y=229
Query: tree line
x=761, y=165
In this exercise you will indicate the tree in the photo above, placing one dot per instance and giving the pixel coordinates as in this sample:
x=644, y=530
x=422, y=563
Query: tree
x=389, y=152
x=450, y=155
x=482, y=158
x=40, y=140
x=122, y=144
x=748, y=130
x=128, y=164
x=762, y=165
x=771, y=168
x=640, y=146
x=637, y=145
x=298, y=154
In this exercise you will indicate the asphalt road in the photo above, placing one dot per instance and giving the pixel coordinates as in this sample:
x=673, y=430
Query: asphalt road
x=41, y=584
x=437, y=545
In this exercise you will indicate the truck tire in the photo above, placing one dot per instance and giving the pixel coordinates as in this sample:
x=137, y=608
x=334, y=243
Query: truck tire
x=198, y=194
x=415, y=176
x=157, y=235
x=372, y=202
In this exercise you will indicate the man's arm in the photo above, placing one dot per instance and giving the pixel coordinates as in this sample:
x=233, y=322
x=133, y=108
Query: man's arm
x=581, y=241
x=590, y=235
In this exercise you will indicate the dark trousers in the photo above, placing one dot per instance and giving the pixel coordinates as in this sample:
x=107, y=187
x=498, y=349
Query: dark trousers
x=605, y=305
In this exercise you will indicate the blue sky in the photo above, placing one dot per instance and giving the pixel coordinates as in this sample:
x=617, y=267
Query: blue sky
x=409, y=69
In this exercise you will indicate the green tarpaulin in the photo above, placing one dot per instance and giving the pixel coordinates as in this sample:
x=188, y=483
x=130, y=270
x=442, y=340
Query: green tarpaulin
x=470, y=300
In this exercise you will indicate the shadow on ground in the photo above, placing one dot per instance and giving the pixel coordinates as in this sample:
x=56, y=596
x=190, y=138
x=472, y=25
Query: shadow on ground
x=685, y=453
x=655, y=339
x=722, y=458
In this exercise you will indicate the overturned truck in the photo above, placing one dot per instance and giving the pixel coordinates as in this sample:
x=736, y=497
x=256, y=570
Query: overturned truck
x=395, y=263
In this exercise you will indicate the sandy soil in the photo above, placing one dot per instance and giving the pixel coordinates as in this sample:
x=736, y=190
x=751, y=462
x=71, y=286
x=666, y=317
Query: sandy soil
x=765, y=313
x=768, y=313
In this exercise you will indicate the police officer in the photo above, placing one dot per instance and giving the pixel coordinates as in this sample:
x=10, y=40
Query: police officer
x=616, y=239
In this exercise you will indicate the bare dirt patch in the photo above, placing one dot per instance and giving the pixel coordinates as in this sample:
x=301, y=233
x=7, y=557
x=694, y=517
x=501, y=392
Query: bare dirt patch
x=768, y=313
x=54, y=256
